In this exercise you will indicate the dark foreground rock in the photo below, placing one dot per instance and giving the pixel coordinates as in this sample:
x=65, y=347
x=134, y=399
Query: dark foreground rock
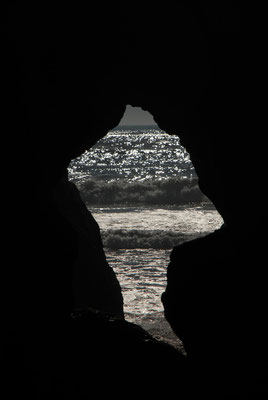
x=93, y=353
x=216, y=301
x=94, y=282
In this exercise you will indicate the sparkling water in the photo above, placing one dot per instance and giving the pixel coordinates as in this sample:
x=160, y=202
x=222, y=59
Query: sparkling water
x=141, y=187
x=134, y=154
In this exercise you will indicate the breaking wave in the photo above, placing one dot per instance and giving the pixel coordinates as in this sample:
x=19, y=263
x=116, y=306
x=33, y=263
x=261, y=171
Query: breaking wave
x=139, y=239
x=172, y=191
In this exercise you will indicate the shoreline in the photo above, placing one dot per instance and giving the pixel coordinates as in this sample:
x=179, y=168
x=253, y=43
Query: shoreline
x=158, y=327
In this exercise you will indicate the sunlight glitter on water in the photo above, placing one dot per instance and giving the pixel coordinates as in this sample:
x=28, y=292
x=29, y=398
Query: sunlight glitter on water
x=134, y=155
x=142, y=272
x=136, y=160
x=142, y=276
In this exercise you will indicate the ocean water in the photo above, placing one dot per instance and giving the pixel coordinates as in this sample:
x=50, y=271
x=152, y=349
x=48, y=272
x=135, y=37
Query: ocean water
x=141, y=187
x=134, y=154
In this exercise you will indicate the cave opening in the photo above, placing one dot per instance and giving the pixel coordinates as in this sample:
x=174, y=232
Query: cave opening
x=140, y=185
x=68, y=71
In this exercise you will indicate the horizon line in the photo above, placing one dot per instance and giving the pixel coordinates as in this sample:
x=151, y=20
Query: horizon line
x=137, y=125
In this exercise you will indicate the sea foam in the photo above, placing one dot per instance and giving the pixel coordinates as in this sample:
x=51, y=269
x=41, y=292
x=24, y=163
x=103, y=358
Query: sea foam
x=142, y=239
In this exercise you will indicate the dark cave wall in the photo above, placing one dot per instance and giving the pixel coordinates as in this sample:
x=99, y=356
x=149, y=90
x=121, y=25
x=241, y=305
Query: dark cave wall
x=185, y=64
x=68, y=74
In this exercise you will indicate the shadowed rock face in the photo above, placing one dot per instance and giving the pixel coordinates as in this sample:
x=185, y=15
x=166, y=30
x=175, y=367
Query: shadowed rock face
x=68, y=74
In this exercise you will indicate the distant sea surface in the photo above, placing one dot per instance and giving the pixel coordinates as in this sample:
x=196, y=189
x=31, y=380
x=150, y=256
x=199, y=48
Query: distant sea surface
x=140, y=185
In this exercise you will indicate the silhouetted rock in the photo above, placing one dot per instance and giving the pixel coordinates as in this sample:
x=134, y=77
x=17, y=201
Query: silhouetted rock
x=215, y=301
x=94, y=282
x=92, y=353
